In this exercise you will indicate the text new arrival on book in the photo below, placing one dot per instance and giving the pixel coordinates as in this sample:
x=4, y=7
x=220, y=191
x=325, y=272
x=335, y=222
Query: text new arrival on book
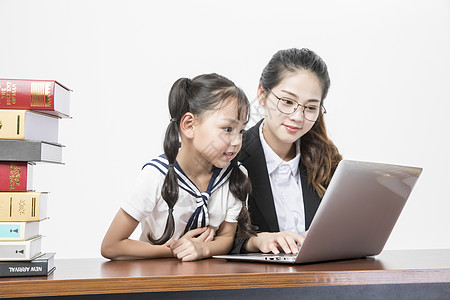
x=41, y=266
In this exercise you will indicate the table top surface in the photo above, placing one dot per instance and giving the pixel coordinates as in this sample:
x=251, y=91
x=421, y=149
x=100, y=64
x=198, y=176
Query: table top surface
x=98, y=275
x=91, y=268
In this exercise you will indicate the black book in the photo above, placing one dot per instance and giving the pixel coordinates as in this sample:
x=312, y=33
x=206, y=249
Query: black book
x=29, y=150
x=42, y=266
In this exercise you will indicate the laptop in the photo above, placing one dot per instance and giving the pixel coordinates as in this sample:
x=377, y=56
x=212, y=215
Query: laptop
x=356, y=216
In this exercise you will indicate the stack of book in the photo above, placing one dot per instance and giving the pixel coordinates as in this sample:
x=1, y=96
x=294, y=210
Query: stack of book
x=30, y=111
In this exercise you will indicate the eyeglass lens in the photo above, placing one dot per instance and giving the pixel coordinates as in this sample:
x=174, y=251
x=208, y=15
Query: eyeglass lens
x=310, y=112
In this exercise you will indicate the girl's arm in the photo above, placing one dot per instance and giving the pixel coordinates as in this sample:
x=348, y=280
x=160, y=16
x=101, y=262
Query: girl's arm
x=189, y=248
x=117, y=245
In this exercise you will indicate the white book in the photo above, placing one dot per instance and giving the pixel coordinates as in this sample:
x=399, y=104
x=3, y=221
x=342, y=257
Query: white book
x=20, y=250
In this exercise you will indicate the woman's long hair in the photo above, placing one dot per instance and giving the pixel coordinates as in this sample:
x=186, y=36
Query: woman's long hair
x=318, y=152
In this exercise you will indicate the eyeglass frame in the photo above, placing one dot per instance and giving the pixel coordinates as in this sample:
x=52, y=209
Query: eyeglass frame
x=321, y=107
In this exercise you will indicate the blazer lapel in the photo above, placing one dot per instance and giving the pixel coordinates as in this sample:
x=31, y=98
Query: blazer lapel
x=261, y=204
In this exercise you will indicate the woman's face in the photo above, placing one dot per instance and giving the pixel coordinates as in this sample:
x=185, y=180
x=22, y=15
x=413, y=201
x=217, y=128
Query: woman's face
x=282, y=130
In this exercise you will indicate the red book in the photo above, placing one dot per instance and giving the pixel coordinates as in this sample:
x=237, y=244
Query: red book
x=46, y=96
x=15, y=176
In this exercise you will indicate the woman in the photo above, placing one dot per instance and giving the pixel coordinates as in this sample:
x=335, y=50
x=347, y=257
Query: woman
x=288, y=155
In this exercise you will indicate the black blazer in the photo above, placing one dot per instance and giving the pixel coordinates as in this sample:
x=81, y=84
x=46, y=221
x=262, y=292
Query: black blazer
x=260, y=202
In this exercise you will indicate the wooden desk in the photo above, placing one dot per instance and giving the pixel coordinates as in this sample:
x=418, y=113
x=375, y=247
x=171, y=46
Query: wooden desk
x=413, y=270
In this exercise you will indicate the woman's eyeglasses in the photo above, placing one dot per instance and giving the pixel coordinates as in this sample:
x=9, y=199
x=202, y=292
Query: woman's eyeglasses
x=288, y=107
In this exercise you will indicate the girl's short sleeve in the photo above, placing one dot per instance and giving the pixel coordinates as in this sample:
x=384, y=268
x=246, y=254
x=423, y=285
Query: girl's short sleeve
x=144, y=194
x=233, y=210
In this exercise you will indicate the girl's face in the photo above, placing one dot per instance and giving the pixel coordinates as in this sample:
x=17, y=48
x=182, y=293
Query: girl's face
x=218, y=135
x=281, y=129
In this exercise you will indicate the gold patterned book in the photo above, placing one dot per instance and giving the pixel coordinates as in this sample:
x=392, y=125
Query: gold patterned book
x=47, y=96
x=23, y=206
x=28, y=125
x=16, y=176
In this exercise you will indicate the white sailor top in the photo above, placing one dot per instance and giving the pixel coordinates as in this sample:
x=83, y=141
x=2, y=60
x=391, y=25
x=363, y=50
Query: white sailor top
x=212, y=207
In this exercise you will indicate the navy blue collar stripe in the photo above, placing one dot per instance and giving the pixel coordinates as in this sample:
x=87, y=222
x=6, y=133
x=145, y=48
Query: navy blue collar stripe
x=165, y=172
x=200, y=217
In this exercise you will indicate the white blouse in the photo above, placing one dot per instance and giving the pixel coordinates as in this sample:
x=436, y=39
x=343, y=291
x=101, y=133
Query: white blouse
x=146, y=205
x=284, y=177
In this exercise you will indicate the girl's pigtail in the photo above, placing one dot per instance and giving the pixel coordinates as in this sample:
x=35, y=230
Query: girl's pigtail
x=240, y=187
x=178, y=105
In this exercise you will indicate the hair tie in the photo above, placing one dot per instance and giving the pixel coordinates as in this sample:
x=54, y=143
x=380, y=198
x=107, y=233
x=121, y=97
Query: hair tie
x=170, y=210
x=171, y=165
x=188, y=83
x=173, y=120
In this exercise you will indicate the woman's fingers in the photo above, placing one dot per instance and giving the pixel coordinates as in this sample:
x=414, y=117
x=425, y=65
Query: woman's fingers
x=273, y=242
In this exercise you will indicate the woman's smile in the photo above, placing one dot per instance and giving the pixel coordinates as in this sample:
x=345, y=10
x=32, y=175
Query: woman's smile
x=291, y=129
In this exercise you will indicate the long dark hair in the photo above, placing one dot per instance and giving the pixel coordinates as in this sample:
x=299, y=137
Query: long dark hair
x=197, y=96
x=318, y=152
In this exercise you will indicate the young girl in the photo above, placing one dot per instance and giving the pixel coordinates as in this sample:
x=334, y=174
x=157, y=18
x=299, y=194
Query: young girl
x=288, y=155
x=190, y=199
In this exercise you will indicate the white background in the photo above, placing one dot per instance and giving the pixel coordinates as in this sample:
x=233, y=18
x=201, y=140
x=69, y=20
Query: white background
x=389, y=63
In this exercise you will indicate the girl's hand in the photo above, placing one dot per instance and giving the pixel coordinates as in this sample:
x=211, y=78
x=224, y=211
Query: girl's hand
x=207, y=235
x=287, y=241
x=189, y=247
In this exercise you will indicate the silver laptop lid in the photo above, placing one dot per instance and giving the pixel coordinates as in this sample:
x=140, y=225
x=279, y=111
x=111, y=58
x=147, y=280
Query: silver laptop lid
x=359, y=211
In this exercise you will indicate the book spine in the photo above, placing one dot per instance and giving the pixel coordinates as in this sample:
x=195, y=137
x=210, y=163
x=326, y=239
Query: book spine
x=27, y=94
x=30, y=151
x=25, y=268
x=24, y=124
x=9, y=230
x=16, y=231
x=14, y=176
x=20, y=250
x=22, y=206
x=12, y=124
